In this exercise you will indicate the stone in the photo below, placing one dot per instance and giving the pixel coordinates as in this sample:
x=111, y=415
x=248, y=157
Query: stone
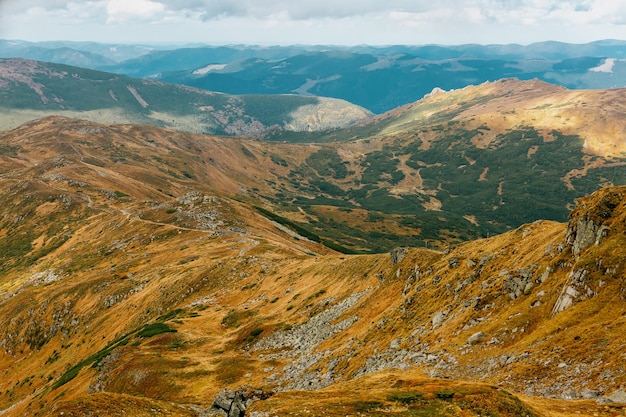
x=234, y=403
x=475, y=338
x=224, y=399
x=589, y=394
x=618, y=396
x=565, y=300
x=397, y=255
x=438, y=319
x=395, y=344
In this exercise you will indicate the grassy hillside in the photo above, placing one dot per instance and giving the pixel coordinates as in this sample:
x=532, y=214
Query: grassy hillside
x=136, y=278
x=452, y=167
x=457, y=165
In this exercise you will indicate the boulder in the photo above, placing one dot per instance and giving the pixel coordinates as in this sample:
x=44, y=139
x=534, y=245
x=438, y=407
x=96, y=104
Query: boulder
x=397, y=255
x=618, y=396
x=475, y=338
x=234, y=403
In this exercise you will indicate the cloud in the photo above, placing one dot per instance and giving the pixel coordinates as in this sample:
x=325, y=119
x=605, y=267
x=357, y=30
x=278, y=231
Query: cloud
x=295, y=10
x=522, y=11
x=314, y=21
x=123, y=11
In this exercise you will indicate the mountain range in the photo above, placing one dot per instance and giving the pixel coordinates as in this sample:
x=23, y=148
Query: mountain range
x=377, y=78
x=453, y=166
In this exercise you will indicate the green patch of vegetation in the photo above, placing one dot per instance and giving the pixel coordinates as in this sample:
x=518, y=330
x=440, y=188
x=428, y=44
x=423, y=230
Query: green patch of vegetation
x=328, y=188
x=445, y=395
x=273, y=109
x=381, y=166
x=171, y=314
x=247, y=152
x=328, y=163
x=155, y=329
x=405, y=397
x=285, y=222
x=120, y=194
x=340, y=248
x=367, y=406
x=278, y=160
x=234, y=318
x=11, y=151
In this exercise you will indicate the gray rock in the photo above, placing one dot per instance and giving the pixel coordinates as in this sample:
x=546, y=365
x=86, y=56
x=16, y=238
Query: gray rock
x=438, y=319
x=589, y=394
x=234, y=403
x=224, y=399
x=575, y=289
x=618, y=396
x=397, y=255
x=476, y=338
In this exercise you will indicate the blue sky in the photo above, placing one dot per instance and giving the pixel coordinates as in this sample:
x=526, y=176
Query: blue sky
x=338, y=22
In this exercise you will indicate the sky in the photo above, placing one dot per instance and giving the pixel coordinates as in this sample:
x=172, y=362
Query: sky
x=319, y=22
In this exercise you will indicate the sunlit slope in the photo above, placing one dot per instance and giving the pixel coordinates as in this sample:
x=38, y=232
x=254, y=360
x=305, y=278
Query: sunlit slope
x=452, y=167
x=135, y=278
x=462, y=164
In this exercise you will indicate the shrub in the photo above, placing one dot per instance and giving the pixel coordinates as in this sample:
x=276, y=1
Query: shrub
x=154, y=329
x=405, y=397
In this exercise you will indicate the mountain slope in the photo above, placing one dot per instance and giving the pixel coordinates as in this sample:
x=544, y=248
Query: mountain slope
x=459, y=165
x=452, y=167
x=382, y=81
x=31, y=89
x=136, y=277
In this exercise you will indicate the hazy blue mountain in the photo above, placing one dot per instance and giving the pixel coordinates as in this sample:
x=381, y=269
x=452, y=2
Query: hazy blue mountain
x=86, y=54
x=378, y=78
x=383, y=82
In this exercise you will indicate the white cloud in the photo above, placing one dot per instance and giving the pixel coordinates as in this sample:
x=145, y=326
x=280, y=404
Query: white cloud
x=317, y=21
x=123, y=11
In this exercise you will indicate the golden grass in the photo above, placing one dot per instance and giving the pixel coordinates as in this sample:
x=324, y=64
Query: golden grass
x=121, y=270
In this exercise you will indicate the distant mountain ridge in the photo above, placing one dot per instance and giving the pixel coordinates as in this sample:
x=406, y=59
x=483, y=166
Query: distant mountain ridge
x=31, y=89
x=378, y=78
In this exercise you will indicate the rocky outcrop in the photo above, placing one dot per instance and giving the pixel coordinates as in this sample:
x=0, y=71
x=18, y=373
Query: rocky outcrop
x=300, y=342
x=233, y=403
x=397, y=255
x=576, y=289
x=589, y=222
